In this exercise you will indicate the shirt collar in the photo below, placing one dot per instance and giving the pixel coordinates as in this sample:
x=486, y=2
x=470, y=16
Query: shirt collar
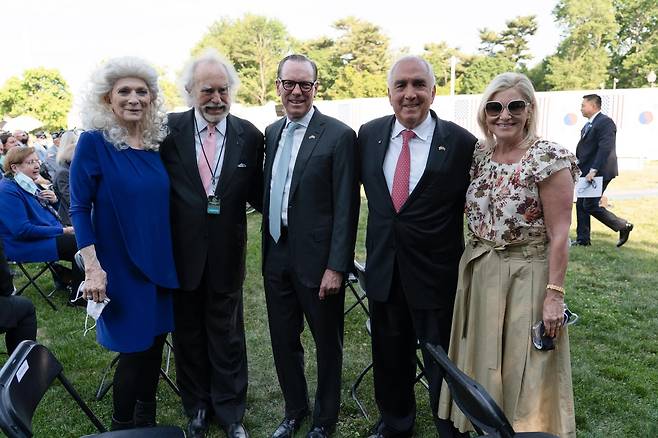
x=591, y=119
x=202, y=123
x=422, y=131
x=304, y=121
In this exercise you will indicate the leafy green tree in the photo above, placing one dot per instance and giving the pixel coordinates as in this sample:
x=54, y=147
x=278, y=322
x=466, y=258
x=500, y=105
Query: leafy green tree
x=637, y=50
x=583, y=56
x=511, y=42
x=361, y=54
x=255, y=45
x=42, y=93
x=323, y=52
x=481, y=71
x=438, y=55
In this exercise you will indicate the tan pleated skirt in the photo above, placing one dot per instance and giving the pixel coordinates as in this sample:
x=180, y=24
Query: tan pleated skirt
x=500, y=295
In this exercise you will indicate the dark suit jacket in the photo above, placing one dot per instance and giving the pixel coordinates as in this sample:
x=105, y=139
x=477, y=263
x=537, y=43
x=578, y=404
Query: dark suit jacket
x=597, y=150
x=200, y=239
x=426, y=237
x=323, y=205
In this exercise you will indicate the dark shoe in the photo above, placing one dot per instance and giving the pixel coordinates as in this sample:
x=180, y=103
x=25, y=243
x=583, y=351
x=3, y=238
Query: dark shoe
x=320, y=432
x=381, y=431
x=236, y=430
x=624, y=233
x=145, y=414
x=198, y=425
x=121, y=425
x=581, y=243
x=288, y=427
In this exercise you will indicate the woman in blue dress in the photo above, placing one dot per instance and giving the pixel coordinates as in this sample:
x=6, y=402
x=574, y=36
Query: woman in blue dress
x=120, y=210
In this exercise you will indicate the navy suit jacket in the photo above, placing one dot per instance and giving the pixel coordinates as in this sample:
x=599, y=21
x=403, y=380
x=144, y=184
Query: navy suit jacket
x=323, y=205
x=426, y=237
x=597, y=149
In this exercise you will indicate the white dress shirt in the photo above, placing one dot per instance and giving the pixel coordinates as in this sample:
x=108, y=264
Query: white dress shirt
x=419, y=148
x=218, y=160
x=298, y=136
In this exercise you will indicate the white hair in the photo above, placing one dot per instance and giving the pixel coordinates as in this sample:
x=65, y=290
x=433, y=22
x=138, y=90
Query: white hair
x=418, y=59
x=97, y=114
x=211, y=56
x=67, y=144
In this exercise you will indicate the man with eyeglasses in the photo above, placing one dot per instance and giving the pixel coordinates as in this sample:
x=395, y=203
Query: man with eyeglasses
x=215, y=165
x=310, y=214
x=597, y=156
x=415, y=171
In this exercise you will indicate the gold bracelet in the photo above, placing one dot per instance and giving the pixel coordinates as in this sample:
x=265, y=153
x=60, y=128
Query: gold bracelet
x=555, y=287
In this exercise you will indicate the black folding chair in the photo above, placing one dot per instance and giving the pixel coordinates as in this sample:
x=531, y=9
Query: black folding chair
x=361, y=279
x=475, y=402
x=25, y=379
x=105, y=385
x=357, y=276
x=42, y=268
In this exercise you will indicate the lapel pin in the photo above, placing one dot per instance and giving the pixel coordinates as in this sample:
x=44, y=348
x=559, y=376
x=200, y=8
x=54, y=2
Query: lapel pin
x=379, y=142
x=442, y=148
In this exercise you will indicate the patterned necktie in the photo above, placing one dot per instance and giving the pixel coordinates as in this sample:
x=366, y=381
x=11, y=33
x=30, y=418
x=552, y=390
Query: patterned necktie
x=279, y=182
x=207, y=158
x=586, y=129
x=400, y=190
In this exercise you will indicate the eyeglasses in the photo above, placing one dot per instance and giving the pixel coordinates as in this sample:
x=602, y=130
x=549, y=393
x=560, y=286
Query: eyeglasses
x=31, y=162
x=493, y=108
x=305, y=86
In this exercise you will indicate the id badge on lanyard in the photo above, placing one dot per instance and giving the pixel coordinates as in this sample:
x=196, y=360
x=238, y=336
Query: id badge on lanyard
x=214, y=204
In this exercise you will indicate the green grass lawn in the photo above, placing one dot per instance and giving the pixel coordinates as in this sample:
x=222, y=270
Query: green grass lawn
x=614, y=345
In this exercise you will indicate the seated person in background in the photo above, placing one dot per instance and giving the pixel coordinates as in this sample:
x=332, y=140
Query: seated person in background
x=61, y=176
x=18, y=319
x=50, y=164
x=8, y=142
x=29, y=225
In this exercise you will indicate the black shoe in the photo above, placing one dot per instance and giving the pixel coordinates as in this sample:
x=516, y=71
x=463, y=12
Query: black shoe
x=121, y=425
x=145, y=413
x=624, y=233
x=581, y=243
x=288, y=427
x=236, y=430
x=381, y=431
x=319, y=432
x=198, y=425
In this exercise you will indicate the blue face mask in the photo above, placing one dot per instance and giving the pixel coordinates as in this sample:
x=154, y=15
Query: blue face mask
x=26, y=183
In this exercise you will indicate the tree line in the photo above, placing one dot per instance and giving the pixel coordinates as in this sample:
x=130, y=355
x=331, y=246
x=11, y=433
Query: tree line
x=602, y=41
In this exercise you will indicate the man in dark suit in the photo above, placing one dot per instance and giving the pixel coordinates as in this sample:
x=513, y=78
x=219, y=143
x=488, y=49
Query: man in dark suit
x=596, y=152
x=415, y=171
x=215, y=162
x=310, y=218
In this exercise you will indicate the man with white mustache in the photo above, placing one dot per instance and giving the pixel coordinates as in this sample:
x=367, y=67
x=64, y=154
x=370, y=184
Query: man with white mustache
x=215, y=163
x=415, y=171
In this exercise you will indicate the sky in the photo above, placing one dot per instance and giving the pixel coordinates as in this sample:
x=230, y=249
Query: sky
x=74, y=36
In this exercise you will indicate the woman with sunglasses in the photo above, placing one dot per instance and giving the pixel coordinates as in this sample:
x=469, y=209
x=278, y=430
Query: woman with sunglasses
x=518, y=207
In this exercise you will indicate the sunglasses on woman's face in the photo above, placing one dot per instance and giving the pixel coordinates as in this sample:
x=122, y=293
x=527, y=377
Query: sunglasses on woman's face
x=493, y=108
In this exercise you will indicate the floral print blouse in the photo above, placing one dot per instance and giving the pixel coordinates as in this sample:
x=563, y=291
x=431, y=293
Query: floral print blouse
x=502, y=201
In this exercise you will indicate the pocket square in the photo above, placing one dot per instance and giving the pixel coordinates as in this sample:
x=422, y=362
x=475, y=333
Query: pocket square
x=311, y=137
x=442, y=148
x=242, y=165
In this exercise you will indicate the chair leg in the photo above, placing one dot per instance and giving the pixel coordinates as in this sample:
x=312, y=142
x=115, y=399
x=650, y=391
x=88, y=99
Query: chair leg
x=103, y=387
x=32, y=281
x=90, y=414
x=354, y=388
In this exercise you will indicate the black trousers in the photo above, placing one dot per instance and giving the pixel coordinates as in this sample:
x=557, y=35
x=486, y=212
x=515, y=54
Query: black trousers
x=288, y=303
x=396, y=330
x=136, y=378
x=586, y=207
x=211, y=352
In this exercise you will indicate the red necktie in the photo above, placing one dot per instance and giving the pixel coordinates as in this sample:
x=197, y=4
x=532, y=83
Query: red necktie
x=207, y=157
x=400, y=191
